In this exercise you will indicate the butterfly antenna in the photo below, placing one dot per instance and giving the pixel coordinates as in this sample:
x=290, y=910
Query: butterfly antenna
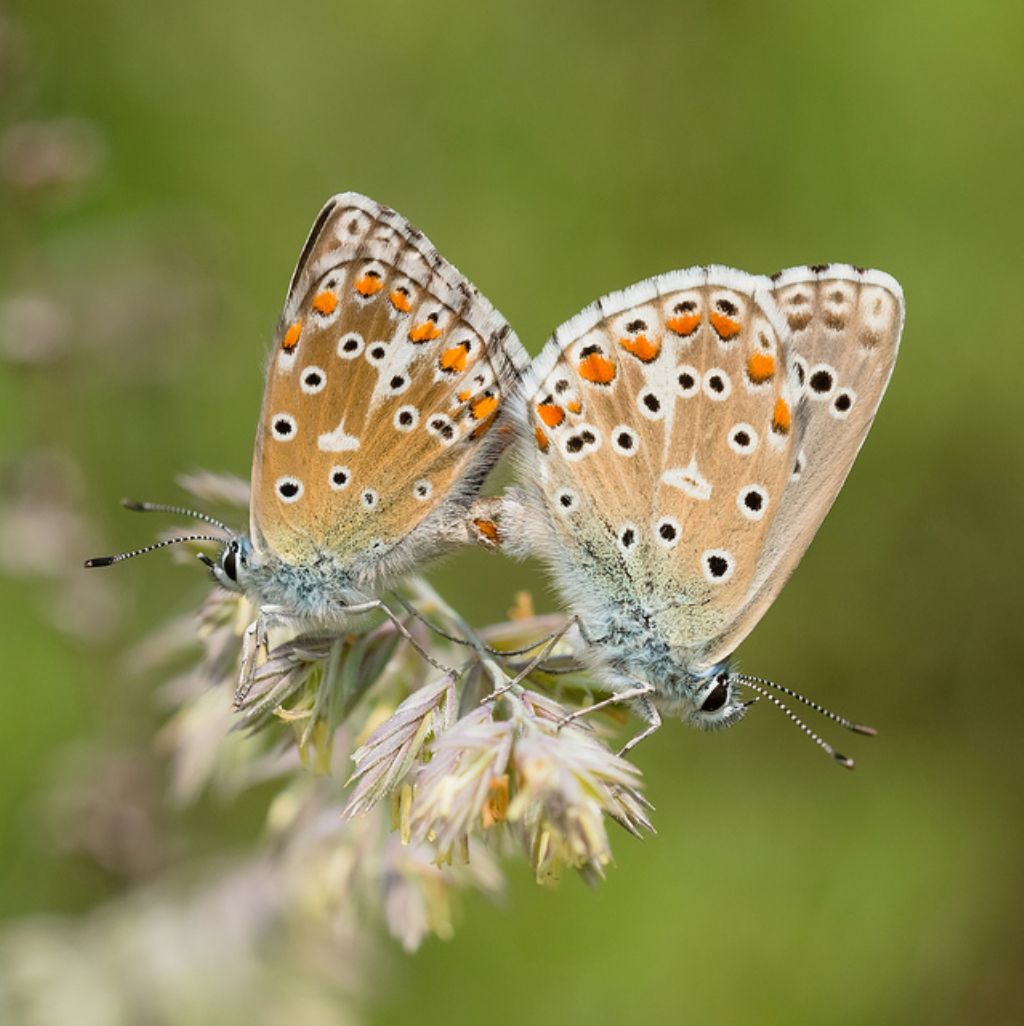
x=161, y=507
x=751, y=683
x=843, y=721
x=121, y=556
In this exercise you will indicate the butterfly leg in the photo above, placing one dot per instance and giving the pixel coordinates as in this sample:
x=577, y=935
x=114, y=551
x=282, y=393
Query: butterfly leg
x=376, y=605
x=653, y=723
x=255, y=640
x=548, y=644
x=641, y=691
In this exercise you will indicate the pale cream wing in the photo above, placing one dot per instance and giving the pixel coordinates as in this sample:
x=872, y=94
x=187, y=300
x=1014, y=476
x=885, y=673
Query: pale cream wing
x=664, y=433
x=845, y=325
x=385, y=388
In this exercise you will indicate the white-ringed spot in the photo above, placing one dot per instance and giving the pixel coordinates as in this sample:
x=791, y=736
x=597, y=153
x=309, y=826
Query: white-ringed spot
x=821, y=380
x=376, y=353
x=350, y=345
x=289, y=489
x=422, y=489
x=752, y=501
x=567, y=501
x=687, y=381
x=717, y=384
x=369, y=499
x=406, y=418
x=442, y=427
x=312, y=380
x=717, y=564
x=283, y=427
x=667, y=532
x=584, y=440
x=627, y=537
x=339, y=478
x=842, y=404
x=650, y=404
x=743, y=439
x=625, y=440
x=398, y=383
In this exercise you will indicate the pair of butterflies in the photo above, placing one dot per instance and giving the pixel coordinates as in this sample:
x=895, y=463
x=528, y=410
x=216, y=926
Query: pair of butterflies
x=679, y=442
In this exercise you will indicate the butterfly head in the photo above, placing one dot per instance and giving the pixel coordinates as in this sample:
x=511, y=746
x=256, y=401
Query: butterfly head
x=715, y=704
x=232, y=569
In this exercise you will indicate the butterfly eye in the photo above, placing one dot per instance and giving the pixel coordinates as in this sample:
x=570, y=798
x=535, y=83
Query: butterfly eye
x=229, y=562
x=717, y=696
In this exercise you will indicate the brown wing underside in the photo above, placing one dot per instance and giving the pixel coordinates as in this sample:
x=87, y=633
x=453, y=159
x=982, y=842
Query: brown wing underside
x=665, y=435
x=384, y=393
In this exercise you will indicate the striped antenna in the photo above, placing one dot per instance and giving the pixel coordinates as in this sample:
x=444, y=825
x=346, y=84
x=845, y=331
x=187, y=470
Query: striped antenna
x=121, y=556
x=162, y=507
x=749, y=682
x=857, y=728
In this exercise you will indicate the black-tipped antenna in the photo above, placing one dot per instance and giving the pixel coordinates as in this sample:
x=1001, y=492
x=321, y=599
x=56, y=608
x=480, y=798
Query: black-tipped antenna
x=779, y=704
x=121, y=556
x=162, y=507
x=857, y=728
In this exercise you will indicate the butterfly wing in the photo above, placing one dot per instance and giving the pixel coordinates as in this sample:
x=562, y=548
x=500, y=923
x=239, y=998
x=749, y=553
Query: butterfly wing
x=662, y=432
x=384, y=394
x=845, y=326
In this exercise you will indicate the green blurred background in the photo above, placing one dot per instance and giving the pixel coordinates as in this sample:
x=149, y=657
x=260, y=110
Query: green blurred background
x=555, y=151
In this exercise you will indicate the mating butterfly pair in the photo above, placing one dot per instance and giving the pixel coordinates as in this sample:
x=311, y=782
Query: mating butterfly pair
x=680, y=442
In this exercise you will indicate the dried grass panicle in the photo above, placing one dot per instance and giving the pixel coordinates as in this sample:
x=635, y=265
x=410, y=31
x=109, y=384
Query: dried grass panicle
x=450, y=769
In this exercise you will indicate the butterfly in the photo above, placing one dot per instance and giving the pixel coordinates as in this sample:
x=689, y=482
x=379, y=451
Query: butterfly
x=386, y=390
x=681, y=443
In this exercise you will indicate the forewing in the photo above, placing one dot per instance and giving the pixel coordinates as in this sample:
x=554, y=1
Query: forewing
x=845, y=326
x=387, y=381
x=663, y=433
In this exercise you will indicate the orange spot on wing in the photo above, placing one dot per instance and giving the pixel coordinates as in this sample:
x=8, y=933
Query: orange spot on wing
x=551, y=414
x=463, y=396
x=597, y=368
x=725, y=326
x=760, y=367
x=781, y=416
x=483, y=407
x=575, y=406
x=400, y=301
x=488, y=530
x=643, y=348
x=542, y=439
x=684, y=324
x=425, y=332
x=291, y=336
x=368, y=285
x=453, y=359
x=325, y=302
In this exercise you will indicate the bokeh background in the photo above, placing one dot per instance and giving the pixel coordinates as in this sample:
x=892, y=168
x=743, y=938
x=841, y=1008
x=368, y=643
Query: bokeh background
x=159, y=168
